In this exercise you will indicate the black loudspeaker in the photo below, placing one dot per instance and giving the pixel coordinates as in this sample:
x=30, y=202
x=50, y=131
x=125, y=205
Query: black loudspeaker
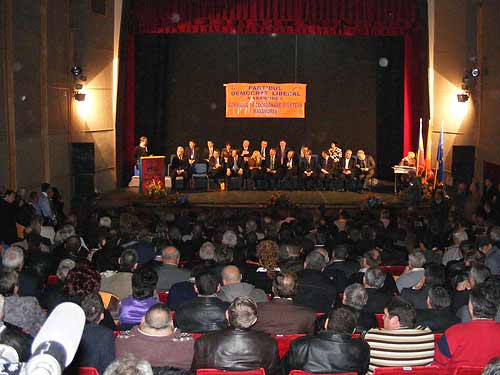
x=82, y=158
x=462, y=167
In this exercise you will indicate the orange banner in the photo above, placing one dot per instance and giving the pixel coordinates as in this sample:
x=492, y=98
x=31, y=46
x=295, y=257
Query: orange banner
x=271, y=100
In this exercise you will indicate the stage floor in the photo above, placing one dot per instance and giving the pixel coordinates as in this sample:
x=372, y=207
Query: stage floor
x=247, y=199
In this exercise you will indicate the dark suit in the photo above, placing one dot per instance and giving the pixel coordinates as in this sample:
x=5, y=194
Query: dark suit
x=437, y=320
x=315, y=290
x=139, y=152
x=202, y=315
x=366, y=176
x=377, y=300
x=192, y=153
x=215, y=171
x=264, y=153
x=290, y=173
x=272, y=171
x=347, y=179
x=234, y=168
x=327, y=180
x=282, y=316
x=308, y=166
x=179, y=164
x=207, y=153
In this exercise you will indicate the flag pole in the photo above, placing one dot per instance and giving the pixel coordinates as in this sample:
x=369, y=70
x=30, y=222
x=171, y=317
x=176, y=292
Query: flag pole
x=418, y=152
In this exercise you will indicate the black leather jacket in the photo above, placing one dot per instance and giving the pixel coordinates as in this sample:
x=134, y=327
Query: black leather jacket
x=236, y=350
x=327, y=353
x=202, y=315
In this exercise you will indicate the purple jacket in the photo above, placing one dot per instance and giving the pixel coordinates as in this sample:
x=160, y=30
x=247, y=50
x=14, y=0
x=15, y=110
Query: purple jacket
x=132, y=310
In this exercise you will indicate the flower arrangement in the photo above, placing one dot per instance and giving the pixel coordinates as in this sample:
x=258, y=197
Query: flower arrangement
x=177, y=199
x=372, y=201
x=155, y=190
x=280, y=201
x=427, y=189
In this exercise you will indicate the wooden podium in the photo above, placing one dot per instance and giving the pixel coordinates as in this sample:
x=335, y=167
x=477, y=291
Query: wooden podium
x=151, y=168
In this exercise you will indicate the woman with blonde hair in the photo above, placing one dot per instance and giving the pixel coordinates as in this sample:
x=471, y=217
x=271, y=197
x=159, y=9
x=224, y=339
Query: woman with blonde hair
x=255, y=168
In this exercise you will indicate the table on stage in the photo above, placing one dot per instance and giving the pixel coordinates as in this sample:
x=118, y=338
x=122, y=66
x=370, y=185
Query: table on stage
x=399, y=170
x=151, y=168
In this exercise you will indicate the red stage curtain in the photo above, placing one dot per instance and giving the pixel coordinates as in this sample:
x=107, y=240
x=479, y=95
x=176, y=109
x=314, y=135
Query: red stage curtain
x=324, y=17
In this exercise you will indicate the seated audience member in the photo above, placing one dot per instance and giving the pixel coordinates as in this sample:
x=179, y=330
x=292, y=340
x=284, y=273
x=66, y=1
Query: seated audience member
x=133, y=308
x=474, y=343
x=478, y=273
x=373, y=258
x=282, y=315
x=331, y=351
x=157, y=341
x=438, y=315
x=29, y=285
x=238, y=348
x=53, y=293
x=22, y=312
x=168, y=271
x=315, y=289
x=400, y=343
x=261, y=274
x=493, y=367
x=8, y=230
x=129, y=364
x=97, y=346
x=493, y=285
x=290, y=257
x=453, y=252
x=233, y=287
x=119, y=282
x=434, y=274
x=340, y=263
x=489, y=247
x=356, y=296
x=206, y=312
x=13, y=336
x=414, y=272
x=377, y=297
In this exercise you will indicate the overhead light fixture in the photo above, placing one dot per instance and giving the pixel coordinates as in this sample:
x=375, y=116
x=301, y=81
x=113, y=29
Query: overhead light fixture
x=463, y=97
x=76, y=70
x=79, y=97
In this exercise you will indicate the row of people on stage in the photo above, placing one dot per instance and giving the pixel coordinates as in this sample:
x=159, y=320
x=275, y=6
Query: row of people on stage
x=278, y=168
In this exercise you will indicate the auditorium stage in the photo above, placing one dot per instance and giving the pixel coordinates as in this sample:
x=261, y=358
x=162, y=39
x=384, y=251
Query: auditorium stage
x=247, y=199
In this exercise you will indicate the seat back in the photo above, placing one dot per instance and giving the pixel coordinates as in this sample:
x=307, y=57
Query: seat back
x=163, y=297
x=380, y=320
x=200, y=168
x=468, y=370
x=394, y=270
x=87, y=371
x=300, y=372
x=420, y=370
x=213, y=371
x=415, y=370
x=284, y=342
x=52, y=280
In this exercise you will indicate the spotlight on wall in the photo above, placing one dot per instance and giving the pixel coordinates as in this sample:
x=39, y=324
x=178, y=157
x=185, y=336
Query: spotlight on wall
x=79, y=97
x=462, y=98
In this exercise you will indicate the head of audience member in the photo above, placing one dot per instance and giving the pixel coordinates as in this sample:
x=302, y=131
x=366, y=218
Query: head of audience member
x=416, y=260
x=9, y=283
x=290, y=250
x=229, y=239
x=13, y=258
x=485, y=245
x=170, y=256
x=458, y=236
x=473, y=257
x=267, y=253
x=231, y=275
x=250, y=226
x=361, y=155
x=223, y=254
x=355, y=296
x=157, y=321
x=285, y=285
x=82, y=281
x=371, y=258
x=93, y=308
x=207, y=251
x=438, y=298
x=323, y=251
x=246, y=144
x=434, y=274
x=484, y=300
x=348, y=153
x=63, y=269
x=64, y=233
x=315, y=261
x=144, y=283
x=180, y=152
x=495, y=235
x=9, y=196
x=478, y=273
x=342, y=321
x=399, y=314
x=374, y=278
x=128, y=364
x=73, y=248
x=339, y=253
x=242, y=313
x=206, y=285
x=143, y=141
x=128, y=260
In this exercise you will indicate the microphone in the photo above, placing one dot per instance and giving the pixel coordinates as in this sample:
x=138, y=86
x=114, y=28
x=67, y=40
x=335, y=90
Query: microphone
x=55, y=346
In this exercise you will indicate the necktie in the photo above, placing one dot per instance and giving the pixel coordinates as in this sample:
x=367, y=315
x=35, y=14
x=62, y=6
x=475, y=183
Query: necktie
x=346, y=163
x=235, y=165
x=272, y=162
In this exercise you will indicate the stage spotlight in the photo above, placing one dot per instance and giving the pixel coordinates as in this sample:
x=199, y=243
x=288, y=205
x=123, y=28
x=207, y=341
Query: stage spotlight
x=462, y=98
x=475, y=72
x=383, y=62
x=76, y=70
x=79, y=97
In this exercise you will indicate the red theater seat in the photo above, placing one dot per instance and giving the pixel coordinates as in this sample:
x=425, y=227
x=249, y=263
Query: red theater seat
x=213, y=371
x=415, y=370
x=468, y=370
x=284, y=342
x=300, y=372
x=380, y=320
x=87, y=371
x=163, y=297
x=52, y=280
x=394, y=270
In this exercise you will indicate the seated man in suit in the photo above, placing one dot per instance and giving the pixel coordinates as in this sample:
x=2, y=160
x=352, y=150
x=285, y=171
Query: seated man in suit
x=281, y=153
x=217, y=167
x=365, y=169
x=272, y=167
x=235, y=167
x=180, y=168
x=281, y=315
x=226, y=152
x=209, y=151
x=326, y=171
x=438, y=315
x=193, y=153
x=205, y=313
x=308, y=172
x=291, y=171
x=245, y=150
x=331, y=351
x=377, y=298
x=237, y=348
x=264, y=150
x=346, y=166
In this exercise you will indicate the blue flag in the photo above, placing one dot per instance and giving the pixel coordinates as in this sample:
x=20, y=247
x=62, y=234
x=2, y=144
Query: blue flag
x=440, y=157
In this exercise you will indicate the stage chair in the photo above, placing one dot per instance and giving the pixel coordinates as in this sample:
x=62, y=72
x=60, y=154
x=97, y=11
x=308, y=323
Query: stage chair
x=394, y=270
x=200, y=171
x=52, y=280
x=300, y=372
x=284, y=342
x=213, y=371
x=380, y=320
x=163, y=297
x=468, y=370
x=415, y=370
x=87, y=371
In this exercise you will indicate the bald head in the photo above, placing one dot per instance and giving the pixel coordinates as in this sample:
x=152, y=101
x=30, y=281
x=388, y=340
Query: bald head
x=231, y=275
x=170, y=255
x=157, y=321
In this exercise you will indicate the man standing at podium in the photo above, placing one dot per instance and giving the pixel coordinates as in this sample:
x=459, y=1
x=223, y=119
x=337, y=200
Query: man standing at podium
x=140, y=151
